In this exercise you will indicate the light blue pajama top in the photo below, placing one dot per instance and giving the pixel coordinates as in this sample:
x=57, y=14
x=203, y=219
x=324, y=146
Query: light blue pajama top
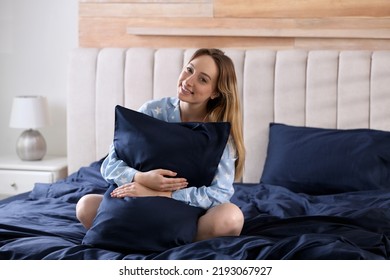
x=114, y=170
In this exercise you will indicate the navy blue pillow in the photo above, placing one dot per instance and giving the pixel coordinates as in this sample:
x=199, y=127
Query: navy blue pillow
x=147, y=224
x=327, y=161
x=193, y=150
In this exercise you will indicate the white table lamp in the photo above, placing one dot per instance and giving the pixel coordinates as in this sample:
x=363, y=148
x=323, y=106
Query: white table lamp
x=30, y=112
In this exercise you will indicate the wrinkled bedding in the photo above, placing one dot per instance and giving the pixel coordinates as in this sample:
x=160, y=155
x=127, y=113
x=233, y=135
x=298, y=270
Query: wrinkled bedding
x=279, y=224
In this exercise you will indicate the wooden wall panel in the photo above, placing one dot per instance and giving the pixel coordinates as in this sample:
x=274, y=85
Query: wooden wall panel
x=115, y=30
x=145, y=10
x=301, y=9
x=279, y=24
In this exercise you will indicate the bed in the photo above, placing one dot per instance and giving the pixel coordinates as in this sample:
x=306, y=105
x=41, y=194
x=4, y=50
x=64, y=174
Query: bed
x=316, y=183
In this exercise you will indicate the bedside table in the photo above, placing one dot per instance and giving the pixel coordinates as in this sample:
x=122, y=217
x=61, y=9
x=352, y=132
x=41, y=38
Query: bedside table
x=17, y=176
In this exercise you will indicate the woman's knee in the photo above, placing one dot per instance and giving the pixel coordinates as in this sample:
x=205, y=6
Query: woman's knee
x=86, y=209
x=231, y=220
x=222, y=220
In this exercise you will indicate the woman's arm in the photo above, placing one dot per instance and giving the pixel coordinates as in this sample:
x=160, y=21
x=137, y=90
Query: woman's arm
x=115, y=170
x=221, y=189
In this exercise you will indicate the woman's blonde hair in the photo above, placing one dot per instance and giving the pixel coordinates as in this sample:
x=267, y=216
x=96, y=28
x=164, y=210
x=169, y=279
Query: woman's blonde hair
x=226, y=106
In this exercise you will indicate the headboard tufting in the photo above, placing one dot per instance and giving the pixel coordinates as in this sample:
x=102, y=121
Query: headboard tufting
x=322, y=88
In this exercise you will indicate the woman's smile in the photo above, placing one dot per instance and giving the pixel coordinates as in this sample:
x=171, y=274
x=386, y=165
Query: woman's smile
x=185, y=90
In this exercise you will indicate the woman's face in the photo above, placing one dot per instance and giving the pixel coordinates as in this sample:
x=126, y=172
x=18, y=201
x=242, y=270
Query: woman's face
x=198, y=80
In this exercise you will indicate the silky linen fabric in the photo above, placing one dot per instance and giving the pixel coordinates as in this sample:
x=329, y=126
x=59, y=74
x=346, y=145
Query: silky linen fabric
x=193, y=150
x=155, y=224
x=279, y=224
x=325, y=161
x=142, y=224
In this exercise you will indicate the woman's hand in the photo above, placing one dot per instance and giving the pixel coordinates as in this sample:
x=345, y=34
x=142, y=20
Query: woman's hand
x=135, y=189
x=160, y=180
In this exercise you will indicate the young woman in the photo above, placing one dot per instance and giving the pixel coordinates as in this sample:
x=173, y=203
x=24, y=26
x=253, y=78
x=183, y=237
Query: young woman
x=206, y=92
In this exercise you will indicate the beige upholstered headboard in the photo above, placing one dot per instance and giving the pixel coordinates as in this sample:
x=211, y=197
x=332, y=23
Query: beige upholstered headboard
x=336, y=89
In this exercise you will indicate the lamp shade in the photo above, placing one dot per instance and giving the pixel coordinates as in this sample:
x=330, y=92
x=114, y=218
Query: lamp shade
x=29, y=112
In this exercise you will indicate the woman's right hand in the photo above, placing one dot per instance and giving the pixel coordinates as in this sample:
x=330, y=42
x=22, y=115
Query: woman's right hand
x=161, y=180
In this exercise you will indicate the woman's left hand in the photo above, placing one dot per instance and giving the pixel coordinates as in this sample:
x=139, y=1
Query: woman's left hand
x=135, y=189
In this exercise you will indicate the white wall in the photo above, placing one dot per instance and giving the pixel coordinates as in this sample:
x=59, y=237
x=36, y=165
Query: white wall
x=35, y=39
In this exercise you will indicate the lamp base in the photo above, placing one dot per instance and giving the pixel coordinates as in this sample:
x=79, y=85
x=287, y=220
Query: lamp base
x=31, y=145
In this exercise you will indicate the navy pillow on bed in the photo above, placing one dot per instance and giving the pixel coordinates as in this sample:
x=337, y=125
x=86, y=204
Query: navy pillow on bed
x=325, y=161
x=150, y=224
x=193, y=150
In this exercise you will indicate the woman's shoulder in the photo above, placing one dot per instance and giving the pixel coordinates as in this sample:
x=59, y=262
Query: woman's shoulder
x=162, y=103
x=163, y=109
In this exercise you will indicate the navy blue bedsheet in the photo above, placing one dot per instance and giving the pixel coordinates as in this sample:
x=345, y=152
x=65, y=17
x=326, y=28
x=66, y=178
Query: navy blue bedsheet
x=279, y=224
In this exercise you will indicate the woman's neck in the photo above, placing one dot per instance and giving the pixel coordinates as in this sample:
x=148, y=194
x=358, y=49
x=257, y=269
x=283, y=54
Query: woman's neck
x=192, y=113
